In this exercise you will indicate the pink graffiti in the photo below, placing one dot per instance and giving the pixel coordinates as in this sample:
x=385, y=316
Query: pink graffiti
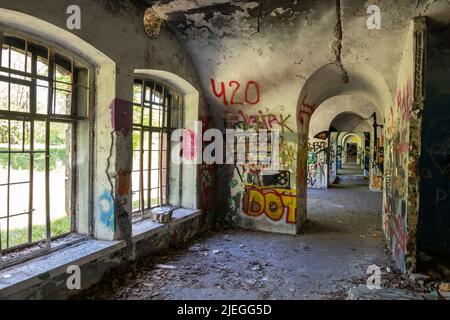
x=405, y=97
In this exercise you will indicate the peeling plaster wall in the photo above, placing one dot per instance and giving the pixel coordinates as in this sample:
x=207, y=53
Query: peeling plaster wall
x=401, y=195
x=259, y=68
x=279, y=52
x=434, y=220
x=115, y=29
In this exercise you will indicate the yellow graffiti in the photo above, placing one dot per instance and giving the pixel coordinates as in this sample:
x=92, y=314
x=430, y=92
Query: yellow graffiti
x=273, y=202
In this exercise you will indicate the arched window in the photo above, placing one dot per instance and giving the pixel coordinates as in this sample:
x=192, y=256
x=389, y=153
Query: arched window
x=157, y=111
x=43, y=107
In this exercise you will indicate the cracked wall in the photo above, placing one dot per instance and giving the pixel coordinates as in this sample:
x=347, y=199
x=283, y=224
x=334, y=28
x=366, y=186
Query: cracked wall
x=115, y=29
x=401, y=196
x=278, y=46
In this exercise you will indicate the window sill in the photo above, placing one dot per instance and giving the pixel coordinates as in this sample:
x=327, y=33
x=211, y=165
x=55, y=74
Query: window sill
x=145, y=228
x=33, y=272
x=41, y=249
x=22, y=276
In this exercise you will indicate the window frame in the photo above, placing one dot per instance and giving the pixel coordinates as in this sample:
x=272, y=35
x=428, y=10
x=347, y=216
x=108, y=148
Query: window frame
x=142, y=212
x=55, y=57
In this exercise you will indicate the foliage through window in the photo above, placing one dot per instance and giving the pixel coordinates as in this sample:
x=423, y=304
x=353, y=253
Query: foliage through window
x=157, y=111
x=41, y=105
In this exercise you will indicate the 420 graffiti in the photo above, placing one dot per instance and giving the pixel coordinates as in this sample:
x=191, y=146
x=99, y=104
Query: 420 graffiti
x=251, y=94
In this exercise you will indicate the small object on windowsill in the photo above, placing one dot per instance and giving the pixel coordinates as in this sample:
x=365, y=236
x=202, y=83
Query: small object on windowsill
x=162, y=214
x=444, y=287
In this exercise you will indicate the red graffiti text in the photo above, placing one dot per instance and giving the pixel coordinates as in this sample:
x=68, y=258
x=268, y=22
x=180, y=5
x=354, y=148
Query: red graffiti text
x=251, y=93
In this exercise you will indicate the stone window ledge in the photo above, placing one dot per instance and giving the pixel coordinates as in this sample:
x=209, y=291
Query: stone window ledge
x=146, y=228
x=24, y=275
x=27, y=274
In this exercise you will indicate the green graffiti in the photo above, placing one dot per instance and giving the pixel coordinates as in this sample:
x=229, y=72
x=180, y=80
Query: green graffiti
x=312, y=158
x=233, y=184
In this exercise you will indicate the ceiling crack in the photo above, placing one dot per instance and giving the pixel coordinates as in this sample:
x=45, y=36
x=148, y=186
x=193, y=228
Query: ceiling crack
x=337, y=44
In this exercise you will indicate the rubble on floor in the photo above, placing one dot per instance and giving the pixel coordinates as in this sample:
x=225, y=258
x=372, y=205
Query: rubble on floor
x=332, y=257
x=362, y=292
x=155, y=278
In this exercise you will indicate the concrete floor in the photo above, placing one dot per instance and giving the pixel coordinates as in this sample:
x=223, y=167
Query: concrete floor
x=351, y=168
x=343, y=238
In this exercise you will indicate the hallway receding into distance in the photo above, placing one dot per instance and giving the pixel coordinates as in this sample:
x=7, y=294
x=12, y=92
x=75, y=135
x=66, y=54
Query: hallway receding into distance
x=351, y=173
x=224, y=149
x=343, y=237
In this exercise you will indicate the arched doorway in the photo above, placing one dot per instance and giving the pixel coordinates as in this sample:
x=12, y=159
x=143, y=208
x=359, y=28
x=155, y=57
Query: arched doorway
x=327, y=82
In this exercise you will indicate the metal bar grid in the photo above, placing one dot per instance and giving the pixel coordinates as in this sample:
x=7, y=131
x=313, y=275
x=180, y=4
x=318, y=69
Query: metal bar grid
x=51, y=71
x=30, y=78
x=161, y=137
x=161, y=131
x=150, y=139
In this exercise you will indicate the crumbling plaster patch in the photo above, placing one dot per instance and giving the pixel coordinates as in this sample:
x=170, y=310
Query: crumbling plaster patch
x=122, y=42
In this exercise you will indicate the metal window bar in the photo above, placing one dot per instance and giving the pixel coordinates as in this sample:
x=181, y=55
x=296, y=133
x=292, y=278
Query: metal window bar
x=150, y=139
x=33, y=99
x=51, y=71
x=27, y=118
x=161, y=137
x=162, y=130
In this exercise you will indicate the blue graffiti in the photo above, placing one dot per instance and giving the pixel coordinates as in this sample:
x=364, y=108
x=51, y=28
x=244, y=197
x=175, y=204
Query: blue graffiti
x=106, y=210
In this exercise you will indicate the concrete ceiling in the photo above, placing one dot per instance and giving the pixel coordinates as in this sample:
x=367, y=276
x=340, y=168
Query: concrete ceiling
x=350, y=122
x=281, y=44
x=339, y=109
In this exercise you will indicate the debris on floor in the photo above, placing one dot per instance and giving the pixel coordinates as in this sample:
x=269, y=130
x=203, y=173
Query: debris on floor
x=362, y=292
x=326, y=263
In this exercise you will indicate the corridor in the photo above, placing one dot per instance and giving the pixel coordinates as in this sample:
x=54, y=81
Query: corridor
x=342, y=239
x=224, y=149
x=351, y=173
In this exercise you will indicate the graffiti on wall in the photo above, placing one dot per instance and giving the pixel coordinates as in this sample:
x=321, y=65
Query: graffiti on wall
x=124, y=183
x=272, y=203
x=261, y=120
x=394, y=224
x=288, y=154
x=332, y=157
x=207, y=175
x=235, y=93
x=316, y=173
x=396, y=173
x=439, y=153
x=316, y=164
x=317, y=147
x=305, y=111
x=105, y=205
x=279, y=179
x=259, y=191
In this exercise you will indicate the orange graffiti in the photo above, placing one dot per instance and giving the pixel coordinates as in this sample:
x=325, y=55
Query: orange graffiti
x=124, y=183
